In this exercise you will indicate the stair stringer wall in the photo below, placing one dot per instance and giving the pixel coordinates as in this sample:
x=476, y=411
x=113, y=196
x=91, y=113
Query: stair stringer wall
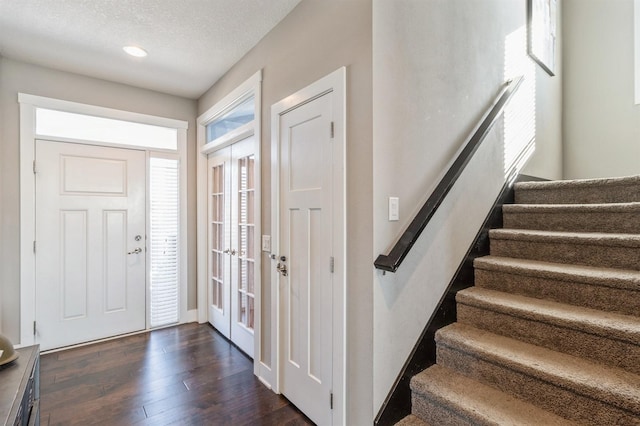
x=436, y=67
x=398, y=403
x=422, y=282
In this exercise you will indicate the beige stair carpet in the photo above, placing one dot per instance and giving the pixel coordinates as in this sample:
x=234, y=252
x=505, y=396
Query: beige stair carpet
x=550, y=334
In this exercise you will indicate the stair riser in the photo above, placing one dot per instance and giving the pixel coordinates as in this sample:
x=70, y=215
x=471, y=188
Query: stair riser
x=570, y=292
x=600, y=349
x=585, y=195
x=412, y=420
x=567, y=252
x=557, y=399
x=574, y=222
x=426, y=407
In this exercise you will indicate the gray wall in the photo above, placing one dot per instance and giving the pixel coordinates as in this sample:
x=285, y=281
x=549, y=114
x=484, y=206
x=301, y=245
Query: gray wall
x=316, y=38
x=18, y=77
x=601, y=121
x=437, y=65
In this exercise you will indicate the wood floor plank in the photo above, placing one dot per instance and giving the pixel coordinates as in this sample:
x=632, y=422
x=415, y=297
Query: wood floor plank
x=183, y=375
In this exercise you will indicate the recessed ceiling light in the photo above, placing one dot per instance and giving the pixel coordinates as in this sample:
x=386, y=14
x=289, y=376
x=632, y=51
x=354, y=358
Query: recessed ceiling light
x=136, y=51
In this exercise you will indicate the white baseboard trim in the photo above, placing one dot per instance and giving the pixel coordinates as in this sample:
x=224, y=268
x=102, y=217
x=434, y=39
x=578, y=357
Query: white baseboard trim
x=192, y=316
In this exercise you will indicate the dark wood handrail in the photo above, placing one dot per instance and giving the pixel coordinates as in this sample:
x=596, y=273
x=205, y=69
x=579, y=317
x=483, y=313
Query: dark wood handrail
x=391, y=262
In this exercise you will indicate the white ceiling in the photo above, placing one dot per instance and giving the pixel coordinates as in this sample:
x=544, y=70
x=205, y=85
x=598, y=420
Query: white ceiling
x=191, y=43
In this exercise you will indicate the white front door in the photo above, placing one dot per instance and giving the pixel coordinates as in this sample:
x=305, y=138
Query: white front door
x=306, y=250
x=232, y=265
x=90, y=242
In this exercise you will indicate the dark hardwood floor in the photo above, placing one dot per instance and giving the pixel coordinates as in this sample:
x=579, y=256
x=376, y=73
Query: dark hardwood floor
x=184, y=375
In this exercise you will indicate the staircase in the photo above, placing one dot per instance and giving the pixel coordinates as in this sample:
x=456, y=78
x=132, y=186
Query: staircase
x=550, y=334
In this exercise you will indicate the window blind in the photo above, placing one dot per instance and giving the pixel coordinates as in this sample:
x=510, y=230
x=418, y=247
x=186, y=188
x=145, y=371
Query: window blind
x=164, y=241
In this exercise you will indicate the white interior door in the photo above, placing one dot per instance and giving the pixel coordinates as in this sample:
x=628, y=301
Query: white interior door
x=90, y=236
x=243, y=269
x=219, y=241
x=232, y=266
x=306, y=246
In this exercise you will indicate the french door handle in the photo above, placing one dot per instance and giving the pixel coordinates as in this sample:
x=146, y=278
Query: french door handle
x=282, y=268
x=136, y=251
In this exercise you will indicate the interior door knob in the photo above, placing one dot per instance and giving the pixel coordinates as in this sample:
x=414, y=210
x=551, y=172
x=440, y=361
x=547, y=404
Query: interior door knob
x=136, y=251
x=282, y=268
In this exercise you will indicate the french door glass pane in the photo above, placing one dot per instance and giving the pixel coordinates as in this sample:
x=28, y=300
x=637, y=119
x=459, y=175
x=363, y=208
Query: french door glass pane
x=246, y=231
x=216, y=290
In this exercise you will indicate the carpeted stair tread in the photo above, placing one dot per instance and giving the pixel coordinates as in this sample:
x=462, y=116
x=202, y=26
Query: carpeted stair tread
x=580, y=183
x=611, y=386
x=594, y=248
x=633, y=207
x=628, y=279
x=412, y=420
x=615, y=218
x=583, y=238
x=606, y=289
x=608, y=190
x=616, y=326
x=603, y=337
x=473, y=402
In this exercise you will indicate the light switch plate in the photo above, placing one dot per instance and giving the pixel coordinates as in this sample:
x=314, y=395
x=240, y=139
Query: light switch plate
x=266, y=243
x=394, y=208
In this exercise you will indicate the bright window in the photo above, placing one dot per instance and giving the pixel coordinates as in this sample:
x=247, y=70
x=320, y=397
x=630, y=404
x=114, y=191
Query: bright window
x=164, y=241
x=235, y=117
x=69, y=125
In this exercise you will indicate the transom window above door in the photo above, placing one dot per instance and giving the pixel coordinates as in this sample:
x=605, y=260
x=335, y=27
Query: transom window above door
x=85, y=127
x=240, y=114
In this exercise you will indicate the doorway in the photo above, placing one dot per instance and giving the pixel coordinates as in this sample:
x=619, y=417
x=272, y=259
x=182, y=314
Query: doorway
x=309, y=277
x=98, y=187
x=229, y=217
x=232, y=257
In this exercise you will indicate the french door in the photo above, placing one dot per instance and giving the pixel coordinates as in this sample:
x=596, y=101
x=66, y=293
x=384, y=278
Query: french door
x=231, y=265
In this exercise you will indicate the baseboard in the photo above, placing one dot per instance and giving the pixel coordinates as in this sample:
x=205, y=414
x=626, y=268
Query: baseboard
x=192, y=316
x=397, y=405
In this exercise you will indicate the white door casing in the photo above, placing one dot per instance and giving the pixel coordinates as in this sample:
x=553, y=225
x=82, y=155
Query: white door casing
x=249, y=88
x=232, y=268
x=308, y=153
x=90, y=210
x=29, y=104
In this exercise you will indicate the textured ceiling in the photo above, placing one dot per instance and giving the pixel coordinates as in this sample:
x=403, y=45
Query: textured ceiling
x=191, y=43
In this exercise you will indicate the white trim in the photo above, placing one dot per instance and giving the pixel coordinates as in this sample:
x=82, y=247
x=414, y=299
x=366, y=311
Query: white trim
x=236, y=96
x=78, y=108
x=252, y=86
x=27, y=224
x=192, y=315
x=336, y=83
x=110, y=144
x=636, y=48
x=28, y=136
